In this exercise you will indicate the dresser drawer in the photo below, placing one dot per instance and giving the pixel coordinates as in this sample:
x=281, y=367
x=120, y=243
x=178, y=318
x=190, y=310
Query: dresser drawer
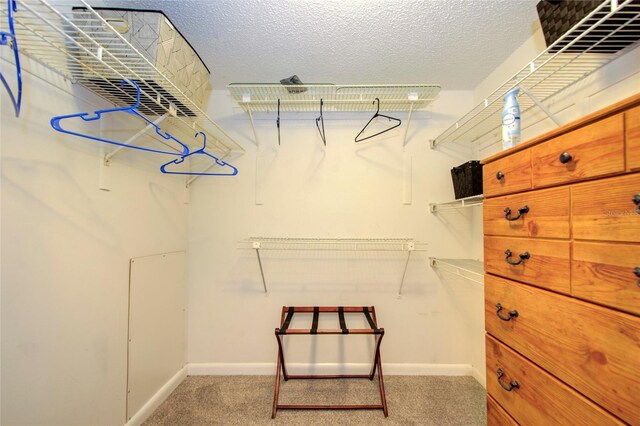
x=593, y=349
x=496, y=416
x=508, y=174
x=605, y=210
x=539, y=398
x=543, y=263
x=543, y=213
x=606, y=274
x=632, y=126
x=595, y=150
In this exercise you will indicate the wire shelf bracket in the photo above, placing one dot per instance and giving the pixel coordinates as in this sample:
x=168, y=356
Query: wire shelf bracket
x=470, y=269
x=607, y=33
x=332, y=244
x=475, y=200
x=256, y=97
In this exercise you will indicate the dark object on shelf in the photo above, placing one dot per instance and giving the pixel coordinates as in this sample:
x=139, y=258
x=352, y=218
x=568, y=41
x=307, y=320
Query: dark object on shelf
x=467, y=179
x=291, y=82
x=557, y=17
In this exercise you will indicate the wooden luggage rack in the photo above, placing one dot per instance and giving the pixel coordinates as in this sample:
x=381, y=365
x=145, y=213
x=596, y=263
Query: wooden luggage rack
x=285, y=319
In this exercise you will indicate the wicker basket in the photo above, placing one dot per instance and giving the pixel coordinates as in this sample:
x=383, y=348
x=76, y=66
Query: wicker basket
x=557, y=17
x=467, y=179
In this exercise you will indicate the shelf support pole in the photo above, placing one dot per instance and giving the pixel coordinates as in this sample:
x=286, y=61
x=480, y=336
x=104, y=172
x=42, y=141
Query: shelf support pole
x=406, y=129
x=253, y=126
x=109, y=156
x=410, y=248
x=256, y=246
x=540, y=105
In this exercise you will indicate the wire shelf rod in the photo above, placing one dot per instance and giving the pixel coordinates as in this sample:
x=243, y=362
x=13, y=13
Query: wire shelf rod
x=265, y=97
x=470, y=269
x=475, y=200
x=406, y=245
x=55, y=40
x=558, y=67
x=333, y=244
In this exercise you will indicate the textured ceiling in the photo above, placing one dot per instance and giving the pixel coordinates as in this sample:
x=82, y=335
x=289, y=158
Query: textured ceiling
x=455, y=43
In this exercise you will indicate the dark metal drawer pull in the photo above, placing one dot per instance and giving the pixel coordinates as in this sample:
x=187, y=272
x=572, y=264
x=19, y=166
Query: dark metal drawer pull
x=522, y=257
x=565, y=157
x=499, y=175
x=521, y=211
x=513, y=384
x=637, y=272
x=512, y=314
x=636, y=201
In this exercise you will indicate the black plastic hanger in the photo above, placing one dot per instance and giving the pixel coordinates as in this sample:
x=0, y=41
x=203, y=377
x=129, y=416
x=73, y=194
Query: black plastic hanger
x=377, y=114
x=321, y=120
x=278, y=122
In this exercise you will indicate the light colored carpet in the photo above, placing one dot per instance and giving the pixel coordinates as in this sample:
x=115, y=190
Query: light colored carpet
x=247, y=400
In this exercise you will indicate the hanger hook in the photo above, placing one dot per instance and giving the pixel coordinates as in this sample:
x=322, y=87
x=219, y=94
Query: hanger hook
x=204, y=137
x=320, y=117
x=134, y=84
x=378, y=105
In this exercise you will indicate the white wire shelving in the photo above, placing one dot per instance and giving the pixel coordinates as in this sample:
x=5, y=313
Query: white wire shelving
x=607, y=33
x=407, y=245
x=475, y=200
x=471, y=269
x=393, y=97
x=86, y=49
x=258, y=97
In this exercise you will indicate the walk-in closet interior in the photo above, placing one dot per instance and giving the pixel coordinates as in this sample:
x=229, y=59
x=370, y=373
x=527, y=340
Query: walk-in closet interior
x=433, y=205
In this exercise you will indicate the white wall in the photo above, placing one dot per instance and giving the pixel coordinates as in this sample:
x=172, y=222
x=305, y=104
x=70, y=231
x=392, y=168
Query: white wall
x=345, y=190
x=65, y=262
x=157, y=326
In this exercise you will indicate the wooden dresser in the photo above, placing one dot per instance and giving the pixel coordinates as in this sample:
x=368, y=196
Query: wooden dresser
x=562, y=284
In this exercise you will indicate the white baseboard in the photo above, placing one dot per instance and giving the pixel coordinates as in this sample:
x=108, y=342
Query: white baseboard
x=226, y=369
x=157, y=399
x=481, y=378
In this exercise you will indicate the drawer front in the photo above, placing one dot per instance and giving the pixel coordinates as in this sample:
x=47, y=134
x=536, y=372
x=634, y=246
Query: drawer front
x=548, y=263
x=632, y=126
x=605, y=209
x=539, y=398
x=593, y=349
x=542, y=213
x=507, y=175
x=608, y=274
x=496, y=416
x=595, y=150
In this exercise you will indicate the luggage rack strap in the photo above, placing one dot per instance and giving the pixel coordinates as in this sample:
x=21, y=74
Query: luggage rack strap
x=368, y=311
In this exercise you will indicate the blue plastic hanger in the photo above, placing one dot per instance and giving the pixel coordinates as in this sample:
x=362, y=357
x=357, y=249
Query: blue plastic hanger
x=4, y=40
x=200, y=151
x=85, y=116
